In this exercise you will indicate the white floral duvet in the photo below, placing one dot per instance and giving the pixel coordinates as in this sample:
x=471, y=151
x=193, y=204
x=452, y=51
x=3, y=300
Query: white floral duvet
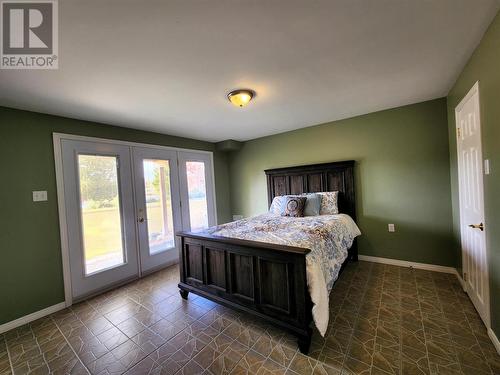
x=327, y=236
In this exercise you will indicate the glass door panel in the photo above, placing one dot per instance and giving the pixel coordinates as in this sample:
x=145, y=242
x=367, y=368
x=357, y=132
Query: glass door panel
x=197, y=195
x=197, y=191
x=100, y=216
x=158, y=206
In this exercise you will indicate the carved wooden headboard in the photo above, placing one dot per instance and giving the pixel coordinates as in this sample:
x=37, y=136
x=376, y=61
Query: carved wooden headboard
x=336, y=176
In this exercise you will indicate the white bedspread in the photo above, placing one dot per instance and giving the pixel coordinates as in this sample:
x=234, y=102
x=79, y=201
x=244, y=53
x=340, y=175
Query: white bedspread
x=327, y=236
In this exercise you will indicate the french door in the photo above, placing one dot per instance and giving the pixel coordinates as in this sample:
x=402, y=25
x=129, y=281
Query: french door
x=158, y=206
x=123, y=205
x=100, y=215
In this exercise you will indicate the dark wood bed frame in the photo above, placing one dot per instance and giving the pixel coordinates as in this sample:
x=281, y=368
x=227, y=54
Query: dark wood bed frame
x=263, y=279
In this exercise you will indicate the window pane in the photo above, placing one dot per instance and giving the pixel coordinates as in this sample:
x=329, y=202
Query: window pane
x=197, y=192
x=101, y=219
x=158, y=205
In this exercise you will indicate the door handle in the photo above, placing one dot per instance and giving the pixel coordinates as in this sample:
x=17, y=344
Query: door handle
x=140, y=216
x=477, y=226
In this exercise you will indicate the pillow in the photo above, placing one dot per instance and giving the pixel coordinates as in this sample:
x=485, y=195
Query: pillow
x=329, y=203
x=313, y=204
x=276, y=205
x=311, y=207
x=292, y=206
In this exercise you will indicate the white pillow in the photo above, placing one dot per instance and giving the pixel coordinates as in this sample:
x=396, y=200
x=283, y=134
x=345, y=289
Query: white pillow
x=329, y=203
x=276, y=205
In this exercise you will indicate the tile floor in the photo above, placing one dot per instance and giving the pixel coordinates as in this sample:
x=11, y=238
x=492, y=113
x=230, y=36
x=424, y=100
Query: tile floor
x=383, y=320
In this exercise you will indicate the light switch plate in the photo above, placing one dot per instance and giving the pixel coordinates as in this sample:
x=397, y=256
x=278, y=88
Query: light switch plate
x=391, y=227
x=40, y=196
x=487, y=166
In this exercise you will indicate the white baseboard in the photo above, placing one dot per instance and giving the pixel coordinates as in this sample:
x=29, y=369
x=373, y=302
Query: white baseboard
x=421, y=266
x=31, y=317
x=494, y=340
x=404, y=263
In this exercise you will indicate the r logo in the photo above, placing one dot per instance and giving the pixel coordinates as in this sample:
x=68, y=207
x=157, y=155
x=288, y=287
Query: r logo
x=27, y=28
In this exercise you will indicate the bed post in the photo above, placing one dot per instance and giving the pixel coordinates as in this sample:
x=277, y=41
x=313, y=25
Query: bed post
x=353, y=251
x=304, y=342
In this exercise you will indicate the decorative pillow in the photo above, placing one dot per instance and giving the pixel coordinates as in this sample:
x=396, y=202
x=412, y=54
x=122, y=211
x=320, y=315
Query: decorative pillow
x=293, y=206
x=313, y=204
x=329, y=203
x=276, y=205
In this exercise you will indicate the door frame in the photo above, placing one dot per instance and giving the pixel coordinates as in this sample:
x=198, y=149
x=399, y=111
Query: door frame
x=473, y=91
x=61, y=202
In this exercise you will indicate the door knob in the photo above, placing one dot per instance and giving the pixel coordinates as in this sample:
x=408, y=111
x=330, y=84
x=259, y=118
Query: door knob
x=477, y=226
x=140, y=220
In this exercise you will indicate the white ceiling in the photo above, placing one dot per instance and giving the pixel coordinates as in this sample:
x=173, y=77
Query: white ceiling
x=166, y=66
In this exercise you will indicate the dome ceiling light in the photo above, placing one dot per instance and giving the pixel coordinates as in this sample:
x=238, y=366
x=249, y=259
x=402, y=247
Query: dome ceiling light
x=241, y=97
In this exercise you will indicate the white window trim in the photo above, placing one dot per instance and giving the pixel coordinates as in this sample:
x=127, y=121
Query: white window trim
x=57, y=138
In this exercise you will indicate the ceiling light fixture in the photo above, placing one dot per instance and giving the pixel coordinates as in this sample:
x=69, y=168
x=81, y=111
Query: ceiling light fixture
x=241, y=97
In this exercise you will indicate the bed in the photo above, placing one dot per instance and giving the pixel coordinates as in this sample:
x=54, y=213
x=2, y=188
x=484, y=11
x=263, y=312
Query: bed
x=265, y=265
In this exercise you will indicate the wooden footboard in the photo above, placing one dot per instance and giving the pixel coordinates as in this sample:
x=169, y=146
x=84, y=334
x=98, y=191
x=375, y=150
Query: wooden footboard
x=265, y=280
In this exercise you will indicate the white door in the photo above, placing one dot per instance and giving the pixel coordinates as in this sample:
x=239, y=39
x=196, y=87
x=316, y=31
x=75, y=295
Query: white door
x=197, y=191
x=472, y=223
x=121, y=207
x=158, y=206
x=100, y=215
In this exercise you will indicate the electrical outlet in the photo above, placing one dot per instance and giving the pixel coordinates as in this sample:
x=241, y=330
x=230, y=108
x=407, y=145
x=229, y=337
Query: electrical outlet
x=40, y=196
x=391, y=227
x=237, y=217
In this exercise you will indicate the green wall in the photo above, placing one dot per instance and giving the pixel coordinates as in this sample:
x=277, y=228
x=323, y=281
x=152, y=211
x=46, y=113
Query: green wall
x=30, y=253
x=484, y=66
x=402, y=176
